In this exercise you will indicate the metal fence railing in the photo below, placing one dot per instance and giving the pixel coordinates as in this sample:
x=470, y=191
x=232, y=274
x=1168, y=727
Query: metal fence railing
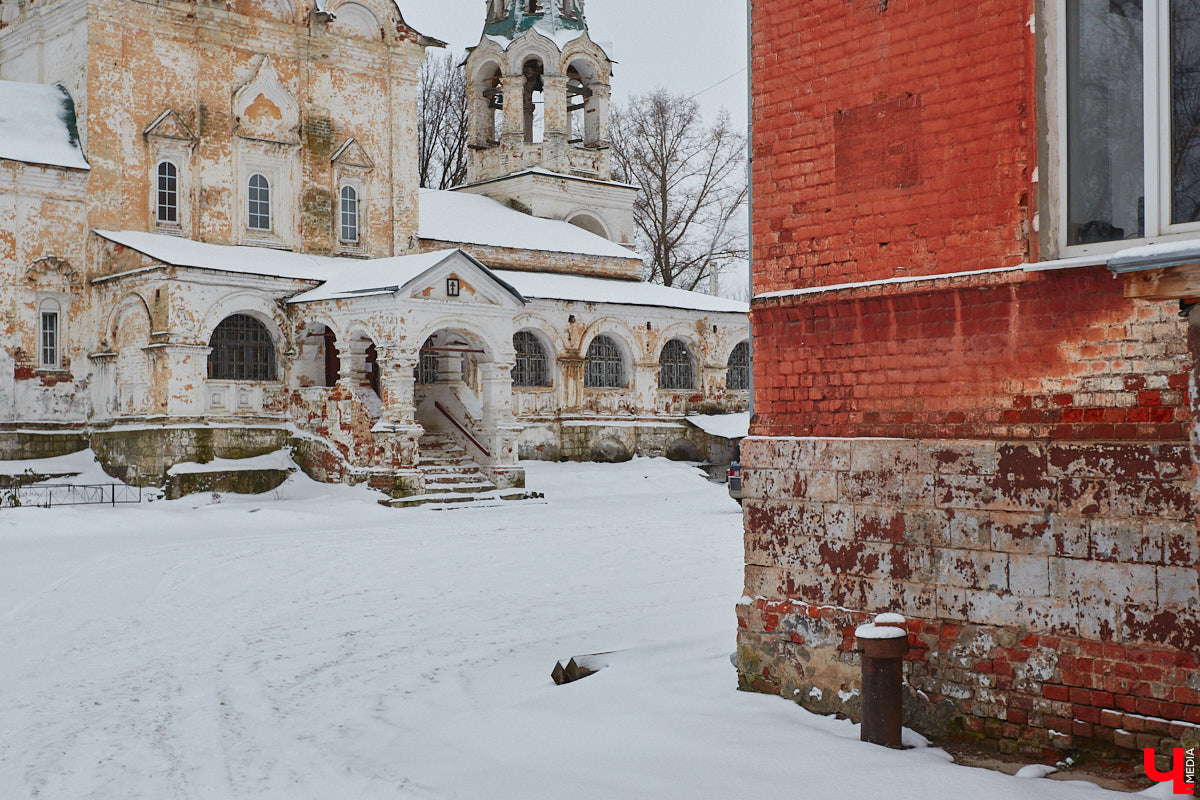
x=48, y=495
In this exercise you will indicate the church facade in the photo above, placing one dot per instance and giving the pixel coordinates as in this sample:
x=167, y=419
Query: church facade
x=213, y=245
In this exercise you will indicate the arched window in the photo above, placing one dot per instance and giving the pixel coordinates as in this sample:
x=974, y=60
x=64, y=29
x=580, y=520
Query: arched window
x=49, y=335
x=532, y=367
x=168, y=193
x=258, y=203
x=241, y=350
x=605, y=367
x=426, y=370
x=349, y=214
x=675, y=367
x=738, y=376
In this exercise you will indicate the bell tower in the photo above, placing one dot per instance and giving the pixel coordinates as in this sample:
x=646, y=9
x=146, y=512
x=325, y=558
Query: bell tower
x=539, y=94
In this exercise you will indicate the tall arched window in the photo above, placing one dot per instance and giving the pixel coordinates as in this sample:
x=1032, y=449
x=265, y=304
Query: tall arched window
x=241, y=350
x=426, y=370
x=675, y=367
x=349, y=214
x=258, y=203
x=737, y=378
x=167, y=205
x=605, y=368
x=532, y=367
x=49, y=335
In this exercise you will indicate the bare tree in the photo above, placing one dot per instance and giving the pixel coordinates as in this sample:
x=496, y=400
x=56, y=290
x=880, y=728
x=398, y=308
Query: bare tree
x=442, y=126
x=693, y=187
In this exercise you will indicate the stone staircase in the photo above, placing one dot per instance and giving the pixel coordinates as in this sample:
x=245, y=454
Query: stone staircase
x=453, y=478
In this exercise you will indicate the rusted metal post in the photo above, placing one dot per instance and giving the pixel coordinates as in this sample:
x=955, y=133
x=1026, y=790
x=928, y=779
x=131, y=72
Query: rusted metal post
x=882, y=645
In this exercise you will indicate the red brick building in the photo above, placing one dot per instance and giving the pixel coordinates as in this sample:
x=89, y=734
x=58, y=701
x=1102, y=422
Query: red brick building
x=976, y=250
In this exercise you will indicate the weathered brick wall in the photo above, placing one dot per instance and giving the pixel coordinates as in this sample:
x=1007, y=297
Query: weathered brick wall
x=1053, y=588
x=1039, y=355
x=891, y=138
x=1007, y=457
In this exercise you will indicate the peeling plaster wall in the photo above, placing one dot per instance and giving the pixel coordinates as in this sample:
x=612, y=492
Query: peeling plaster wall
x=192, y=59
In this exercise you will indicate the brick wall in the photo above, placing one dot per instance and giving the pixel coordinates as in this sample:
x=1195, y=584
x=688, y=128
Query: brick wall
x=890, y=142
x=1041, y=355
x=1052, y=588
x=1008, y=457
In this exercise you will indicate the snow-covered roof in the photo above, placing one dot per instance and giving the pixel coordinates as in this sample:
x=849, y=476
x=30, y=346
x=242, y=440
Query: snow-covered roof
x=37, y=125
x=356, y=277
x=388, y=275
x=467, y=218
x=552, y=286
x=181, y=252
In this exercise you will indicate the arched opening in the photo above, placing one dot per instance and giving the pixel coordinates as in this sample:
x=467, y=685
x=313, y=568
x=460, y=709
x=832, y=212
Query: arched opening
x=604, y=367
x=371, y=368
x=737, y=375
x=456, y=391
x=489, y=104
x=329, y=355
x=582, y=103
x=241, y=349
x=590, y=224
x=676, y=368
x=532, y=367
x=535, y=120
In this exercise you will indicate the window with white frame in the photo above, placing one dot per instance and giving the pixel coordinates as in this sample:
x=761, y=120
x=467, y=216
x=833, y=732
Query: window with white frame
x=167, y=194
x=348, y=216
x=1131, y=100
x=49, y=335
x=258, y=203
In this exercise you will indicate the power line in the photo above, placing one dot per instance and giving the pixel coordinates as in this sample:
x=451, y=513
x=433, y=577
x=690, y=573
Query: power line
x=718, y=83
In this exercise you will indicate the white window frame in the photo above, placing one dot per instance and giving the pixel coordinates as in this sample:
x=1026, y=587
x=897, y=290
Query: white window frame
x=158, y=205
x=352, y=246
x=281, y=171
x=1156, y=114
x=47, y=308
x=270, y=226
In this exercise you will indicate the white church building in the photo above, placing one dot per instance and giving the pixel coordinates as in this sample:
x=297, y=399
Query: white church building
x=213, y=246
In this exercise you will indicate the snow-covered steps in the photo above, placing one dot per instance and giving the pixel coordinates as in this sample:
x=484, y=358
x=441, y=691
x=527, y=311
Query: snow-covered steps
x=495, y=497
x=452, y=477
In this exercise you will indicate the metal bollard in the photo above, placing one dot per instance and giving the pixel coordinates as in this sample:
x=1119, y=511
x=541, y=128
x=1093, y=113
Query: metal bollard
x=882, y=645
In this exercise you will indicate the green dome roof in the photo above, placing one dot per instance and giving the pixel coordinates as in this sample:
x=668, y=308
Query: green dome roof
x=554, y=16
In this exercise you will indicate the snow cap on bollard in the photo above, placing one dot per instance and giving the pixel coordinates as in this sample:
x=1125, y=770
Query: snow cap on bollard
x=886, y=637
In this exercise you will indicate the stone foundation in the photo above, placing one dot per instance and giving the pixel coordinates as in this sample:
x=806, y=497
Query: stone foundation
x=142, y=456
x=597, y=441
x=1052, y=589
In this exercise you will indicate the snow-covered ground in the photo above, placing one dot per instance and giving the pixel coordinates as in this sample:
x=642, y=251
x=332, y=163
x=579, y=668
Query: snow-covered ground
x=311, y=644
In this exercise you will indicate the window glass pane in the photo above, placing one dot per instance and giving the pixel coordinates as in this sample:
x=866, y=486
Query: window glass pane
x=1105, y=184
x=50, y=339
x=738, y=374
x=675, y=367
x=168, y=192
x=242, y=350
x=605, y=368
x=531, y=367
x=349, y=214
x=258, y=203
x=1185, y=110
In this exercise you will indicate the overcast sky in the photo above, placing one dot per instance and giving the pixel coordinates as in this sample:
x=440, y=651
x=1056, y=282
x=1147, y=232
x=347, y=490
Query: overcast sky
x=685, y=45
